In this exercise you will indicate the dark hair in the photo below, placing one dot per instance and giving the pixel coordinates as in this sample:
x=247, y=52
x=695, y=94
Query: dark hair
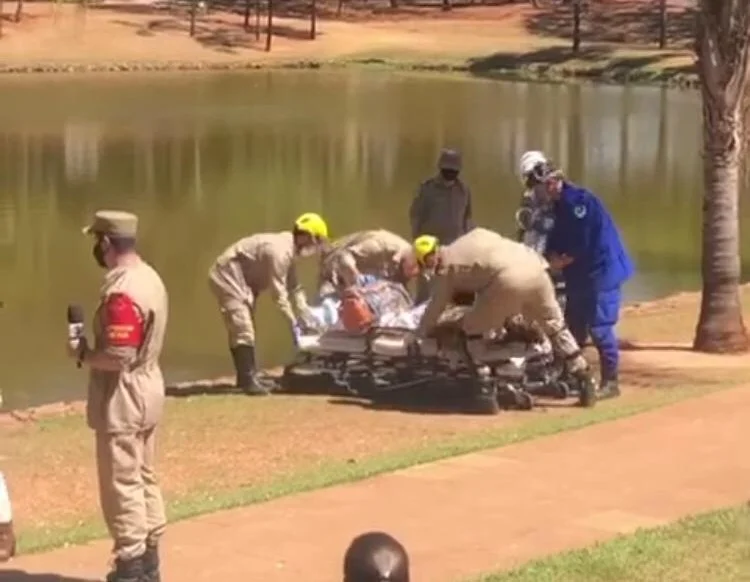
x=376, y=557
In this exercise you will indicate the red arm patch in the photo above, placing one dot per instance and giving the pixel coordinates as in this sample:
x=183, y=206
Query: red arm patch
x=123, y=323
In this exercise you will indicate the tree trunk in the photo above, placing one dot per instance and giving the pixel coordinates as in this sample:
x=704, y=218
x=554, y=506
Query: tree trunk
x=246, y=21
x=193, y=15
x=447, y=5
x=662, y=24
x=269, y=31
x=313, y=19
x=19, y=11
x=576, y=26
x=257, y=20
x=722, y=45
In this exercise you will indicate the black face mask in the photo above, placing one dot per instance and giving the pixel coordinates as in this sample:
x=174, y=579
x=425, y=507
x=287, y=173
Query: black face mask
x=98, y=253
x=449, y=175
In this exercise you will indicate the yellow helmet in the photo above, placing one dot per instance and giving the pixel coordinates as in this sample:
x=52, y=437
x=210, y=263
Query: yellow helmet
x=312, y=224
x=425, y=245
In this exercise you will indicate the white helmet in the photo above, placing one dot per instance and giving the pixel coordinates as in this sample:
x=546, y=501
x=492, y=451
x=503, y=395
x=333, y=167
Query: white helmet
x=529, y=161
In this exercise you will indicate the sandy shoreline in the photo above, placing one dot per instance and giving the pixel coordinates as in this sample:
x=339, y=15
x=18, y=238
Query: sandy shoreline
x=510, y=41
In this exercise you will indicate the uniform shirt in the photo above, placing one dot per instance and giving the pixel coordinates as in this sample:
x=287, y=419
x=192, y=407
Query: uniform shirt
x=442, y=210
x=585, y=231
x=130, y=325
x=470, y=265
x=258, y=263
x=371, y=252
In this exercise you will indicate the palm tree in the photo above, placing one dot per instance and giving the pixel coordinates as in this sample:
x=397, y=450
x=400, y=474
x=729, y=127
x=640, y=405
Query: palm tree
x=723, y=49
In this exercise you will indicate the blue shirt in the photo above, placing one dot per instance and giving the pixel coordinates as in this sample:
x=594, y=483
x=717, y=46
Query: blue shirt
x=584, y=230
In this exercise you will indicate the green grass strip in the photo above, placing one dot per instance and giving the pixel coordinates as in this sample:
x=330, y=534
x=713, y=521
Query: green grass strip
x=330, y=473
x=712, y=547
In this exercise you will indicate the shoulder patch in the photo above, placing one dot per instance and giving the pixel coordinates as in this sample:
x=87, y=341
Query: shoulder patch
x=579, y=211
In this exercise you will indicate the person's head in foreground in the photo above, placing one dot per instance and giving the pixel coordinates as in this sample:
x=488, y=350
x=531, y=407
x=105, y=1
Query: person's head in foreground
x=376, y=557
x=541, y=176
x=310, y=234
x=426, y=252
x=114, y=234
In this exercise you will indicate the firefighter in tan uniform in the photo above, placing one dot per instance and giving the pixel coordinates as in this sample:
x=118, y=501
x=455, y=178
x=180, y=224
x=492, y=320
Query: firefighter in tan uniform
x=508, y=278
x=372, y=252
x=441, y=208
x=253, y=265
x=126, y=395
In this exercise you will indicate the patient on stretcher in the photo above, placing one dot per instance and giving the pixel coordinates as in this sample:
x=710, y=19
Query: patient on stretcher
x=381, y=303
x=373, y=302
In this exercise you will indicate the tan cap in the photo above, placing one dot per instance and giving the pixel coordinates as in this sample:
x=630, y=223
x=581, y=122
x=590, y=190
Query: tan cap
x=449, y=160
x=115, y=223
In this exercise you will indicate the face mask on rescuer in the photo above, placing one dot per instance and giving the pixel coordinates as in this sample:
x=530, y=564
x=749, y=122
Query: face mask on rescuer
x=449, y=175
x=98, y=253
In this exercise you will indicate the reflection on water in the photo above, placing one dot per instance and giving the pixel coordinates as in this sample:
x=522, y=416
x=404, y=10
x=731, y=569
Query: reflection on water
x=206, y=160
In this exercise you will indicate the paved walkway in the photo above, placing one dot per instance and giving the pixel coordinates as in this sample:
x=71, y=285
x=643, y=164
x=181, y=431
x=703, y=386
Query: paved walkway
x=474, y=513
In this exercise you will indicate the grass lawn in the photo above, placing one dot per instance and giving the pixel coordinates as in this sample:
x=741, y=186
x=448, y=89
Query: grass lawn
x=713, y=547
x=218, y=452
x=207, y=471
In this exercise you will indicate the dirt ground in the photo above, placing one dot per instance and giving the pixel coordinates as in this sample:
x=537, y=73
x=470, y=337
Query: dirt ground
x=220, y=443
x=506, y=36
x=471, y=514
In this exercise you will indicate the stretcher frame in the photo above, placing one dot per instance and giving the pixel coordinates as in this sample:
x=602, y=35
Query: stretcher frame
x=373, y=371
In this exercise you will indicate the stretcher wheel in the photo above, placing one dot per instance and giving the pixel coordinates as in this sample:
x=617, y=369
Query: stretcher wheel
x=561, y=390
x=587, y=393
x=524, y=400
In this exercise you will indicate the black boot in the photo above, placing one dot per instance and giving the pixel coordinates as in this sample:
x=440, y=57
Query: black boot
x=151, y=564
x=586, y=387
x=244, y=364
x=610, y=388
x=127, y=571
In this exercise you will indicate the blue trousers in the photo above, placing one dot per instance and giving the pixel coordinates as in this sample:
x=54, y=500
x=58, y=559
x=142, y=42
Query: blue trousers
x=595, y=313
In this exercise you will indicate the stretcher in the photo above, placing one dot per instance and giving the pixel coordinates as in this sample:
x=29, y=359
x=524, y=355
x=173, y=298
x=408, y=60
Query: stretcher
x=494, y=374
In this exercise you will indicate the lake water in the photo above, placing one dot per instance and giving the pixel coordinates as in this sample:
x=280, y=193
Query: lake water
x=205, y=160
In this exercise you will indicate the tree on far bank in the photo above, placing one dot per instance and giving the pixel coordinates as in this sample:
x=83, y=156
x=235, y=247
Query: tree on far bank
x=269, y=30
x=723, y=50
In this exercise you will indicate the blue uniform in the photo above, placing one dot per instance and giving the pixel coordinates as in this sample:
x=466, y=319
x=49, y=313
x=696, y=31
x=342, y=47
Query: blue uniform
x=584, y=230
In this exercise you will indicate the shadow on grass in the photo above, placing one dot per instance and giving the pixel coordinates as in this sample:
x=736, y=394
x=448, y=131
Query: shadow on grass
x=634, y=23
x=595, y=62
x=211, y=31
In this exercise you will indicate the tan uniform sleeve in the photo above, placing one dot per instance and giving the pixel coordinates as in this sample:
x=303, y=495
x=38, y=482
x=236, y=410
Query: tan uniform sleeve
x=345, y=266
x=283, y=277
x=439, y=300
x=299, y=298
x=123, y=328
